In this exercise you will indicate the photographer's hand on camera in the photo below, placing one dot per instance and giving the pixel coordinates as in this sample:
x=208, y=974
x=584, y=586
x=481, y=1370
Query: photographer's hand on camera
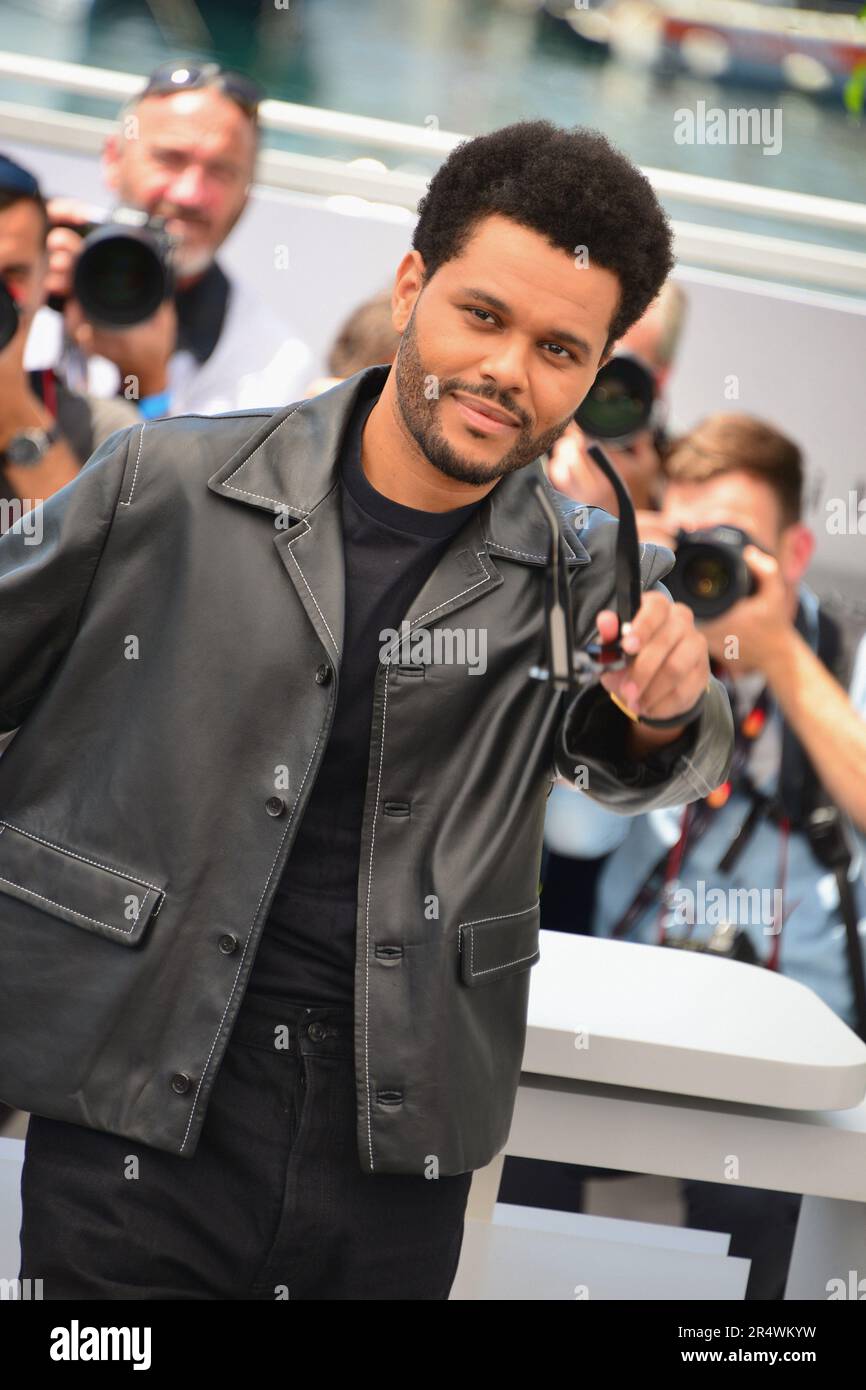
x=141, y=353
x=758, y=633
x=756, y=630
x=668, y=673
x=753, y=631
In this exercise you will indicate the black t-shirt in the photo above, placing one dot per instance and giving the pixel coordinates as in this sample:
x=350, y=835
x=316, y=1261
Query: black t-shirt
x=307, y=950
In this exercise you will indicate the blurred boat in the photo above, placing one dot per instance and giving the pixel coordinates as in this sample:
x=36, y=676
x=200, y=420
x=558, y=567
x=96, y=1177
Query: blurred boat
x=820, y=51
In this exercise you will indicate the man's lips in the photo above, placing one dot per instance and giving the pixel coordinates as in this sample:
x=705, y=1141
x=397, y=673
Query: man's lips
x=482, y=414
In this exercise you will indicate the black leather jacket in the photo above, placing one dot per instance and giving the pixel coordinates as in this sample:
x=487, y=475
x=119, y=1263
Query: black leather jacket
x=173, y=643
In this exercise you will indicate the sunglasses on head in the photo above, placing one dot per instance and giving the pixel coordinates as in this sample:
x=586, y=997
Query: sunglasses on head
x=183, y=77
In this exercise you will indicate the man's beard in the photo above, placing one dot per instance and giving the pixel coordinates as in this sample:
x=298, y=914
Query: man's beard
x=420, y=415
x=190, y=261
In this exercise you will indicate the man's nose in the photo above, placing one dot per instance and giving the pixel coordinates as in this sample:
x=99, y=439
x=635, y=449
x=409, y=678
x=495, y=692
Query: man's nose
x=506, y=363
x=188, y=189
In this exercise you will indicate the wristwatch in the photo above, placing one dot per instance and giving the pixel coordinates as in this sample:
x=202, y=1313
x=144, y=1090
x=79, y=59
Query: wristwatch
x=29, y=446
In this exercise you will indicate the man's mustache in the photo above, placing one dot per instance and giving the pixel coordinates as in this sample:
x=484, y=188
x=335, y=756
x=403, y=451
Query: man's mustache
x=183, y=215
x=491, y=398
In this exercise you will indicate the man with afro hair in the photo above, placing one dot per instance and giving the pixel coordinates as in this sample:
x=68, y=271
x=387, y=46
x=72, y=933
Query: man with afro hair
x=319, y=1038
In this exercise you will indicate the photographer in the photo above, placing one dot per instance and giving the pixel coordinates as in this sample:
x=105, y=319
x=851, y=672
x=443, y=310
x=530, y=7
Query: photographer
x=46, y=431
x=185, y=152
x=800, y=742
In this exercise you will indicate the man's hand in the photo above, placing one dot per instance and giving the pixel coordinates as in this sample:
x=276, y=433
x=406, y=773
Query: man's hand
x=755, y=628
x=64, y=244
x=573, y=472
x=669, y=669
x=141, y=352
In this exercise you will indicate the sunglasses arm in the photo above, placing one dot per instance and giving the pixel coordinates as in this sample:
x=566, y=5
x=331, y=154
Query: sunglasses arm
x=573, y=670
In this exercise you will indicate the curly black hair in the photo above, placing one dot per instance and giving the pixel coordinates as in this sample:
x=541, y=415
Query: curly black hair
x=571, y=185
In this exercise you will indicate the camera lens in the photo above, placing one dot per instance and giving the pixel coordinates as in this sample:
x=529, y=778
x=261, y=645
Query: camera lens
x=120, y=278
x=620, y=401
x=707, y=576
x=710, y=573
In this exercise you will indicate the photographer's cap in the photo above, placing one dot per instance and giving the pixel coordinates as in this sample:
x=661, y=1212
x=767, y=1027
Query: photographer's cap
x=14, y=178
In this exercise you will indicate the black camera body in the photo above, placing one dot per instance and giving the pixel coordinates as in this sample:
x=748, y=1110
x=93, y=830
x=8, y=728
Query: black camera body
x=710, y=573
x=124, y=270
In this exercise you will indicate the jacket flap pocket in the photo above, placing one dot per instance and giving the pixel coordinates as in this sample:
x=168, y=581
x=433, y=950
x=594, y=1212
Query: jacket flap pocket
x=491, y=947
x=66, y=885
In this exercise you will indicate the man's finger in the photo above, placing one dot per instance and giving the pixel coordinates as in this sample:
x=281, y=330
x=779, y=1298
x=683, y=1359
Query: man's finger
x=649, y=618
x=763, y=566
x=607, y=623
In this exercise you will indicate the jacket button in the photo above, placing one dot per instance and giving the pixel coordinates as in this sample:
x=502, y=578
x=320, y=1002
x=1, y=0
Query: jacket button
x=180, y=1082
x=228, y=944
x=323, y=674
x=316, y=1031
x=275, y=806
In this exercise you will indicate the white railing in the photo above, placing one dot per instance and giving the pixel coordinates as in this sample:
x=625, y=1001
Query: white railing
x=714, y=247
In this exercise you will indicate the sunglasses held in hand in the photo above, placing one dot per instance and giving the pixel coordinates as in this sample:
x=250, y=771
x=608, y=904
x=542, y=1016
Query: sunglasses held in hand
x=567, y=668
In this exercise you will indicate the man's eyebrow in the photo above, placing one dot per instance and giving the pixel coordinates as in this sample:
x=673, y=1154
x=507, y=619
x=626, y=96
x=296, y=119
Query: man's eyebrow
x=187, y=152
x=495, y=303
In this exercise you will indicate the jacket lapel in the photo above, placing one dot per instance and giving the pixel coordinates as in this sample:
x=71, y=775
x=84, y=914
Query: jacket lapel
x=312, y=551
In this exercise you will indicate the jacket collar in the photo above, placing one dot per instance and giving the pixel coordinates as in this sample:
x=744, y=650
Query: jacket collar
x=291, y=465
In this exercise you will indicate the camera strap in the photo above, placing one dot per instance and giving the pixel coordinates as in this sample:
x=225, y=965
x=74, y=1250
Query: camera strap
x=696, y=816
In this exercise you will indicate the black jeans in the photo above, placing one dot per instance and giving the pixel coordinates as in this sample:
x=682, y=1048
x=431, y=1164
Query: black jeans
x=761, y=1224
x=274, y=1203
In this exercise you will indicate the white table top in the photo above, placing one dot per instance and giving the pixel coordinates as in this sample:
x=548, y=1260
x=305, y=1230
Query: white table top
x=671, y=1020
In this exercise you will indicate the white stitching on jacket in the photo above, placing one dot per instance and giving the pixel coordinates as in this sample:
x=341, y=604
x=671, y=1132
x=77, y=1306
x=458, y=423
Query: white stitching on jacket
x=124, y=931
x=487, y=575
x=121, y=873
x=259, y=495
x=303, y=576
x=367, y=933
x=135, y=470
x=502, y=964
x=529, y=554
x=498, y=918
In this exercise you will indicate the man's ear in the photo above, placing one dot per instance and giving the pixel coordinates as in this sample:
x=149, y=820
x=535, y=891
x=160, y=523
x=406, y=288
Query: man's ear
x=796, y=551
x=408, y=283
